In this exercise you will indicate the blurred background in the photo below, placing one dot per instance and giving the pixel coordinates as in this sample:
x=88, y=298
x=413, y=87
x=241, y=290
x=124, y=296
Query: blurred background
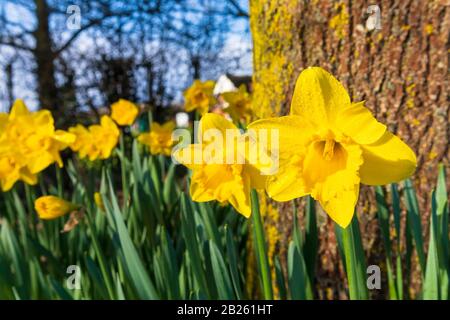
x=73, y=56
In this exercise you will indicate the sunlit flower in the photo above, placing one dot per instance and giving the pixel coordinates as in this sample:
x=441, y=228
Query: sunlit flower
x=29, y=143
x=96, y=142
x=213, y=177
x=200, y=96
x=239, y=104
x=124, y=112
x=51, y=207
x=159, y=139
x=329, y=145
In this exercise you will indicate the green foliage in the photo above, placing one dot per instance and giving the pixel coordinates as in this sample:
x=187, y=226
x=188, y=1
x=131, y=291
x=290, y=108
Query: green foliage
x=153, y=242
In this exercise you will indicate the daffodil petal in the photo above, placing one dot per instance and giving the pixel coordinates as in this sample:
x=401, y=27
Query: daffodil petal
x=28, y=177
x=287, y=184
x=18, y=109
x=338, y=196
x=197, y=190
x=240, y=198
x=64, y=137
x=39, y=162
x=257, y=180
x=386, y=161
x=190, y=156
x=334, y=182
x=284, y=134
x=212, y=121
x=358, y=123
x=318, y=97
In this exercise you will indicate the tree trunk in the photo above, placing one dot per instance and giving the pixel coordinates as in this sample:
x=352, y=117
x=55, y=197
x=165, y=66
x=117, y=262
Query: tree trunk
x=401, y=71
x=44, y=55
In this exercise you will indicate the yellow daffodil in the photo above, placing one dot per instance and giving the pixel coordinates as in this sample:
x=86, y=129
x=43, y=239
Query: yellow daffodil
x=239, y=104
x=51, y=207
x=214, y=177
x=96, y=142
x=29, y=143
x=329, y=145
x=12, y=169
x=159, y=139
x=200, y=96
x=124, y=112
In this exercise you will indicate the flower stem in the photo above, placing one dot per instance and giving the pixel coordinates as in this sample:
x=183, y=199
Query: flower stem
x=59, y=181
x=260, y=247
x=354, y=263
x=124, y=173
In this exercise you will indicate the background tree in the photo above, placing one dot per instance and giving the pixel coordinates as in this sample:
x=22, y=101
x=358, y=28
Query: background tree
x=168, y=35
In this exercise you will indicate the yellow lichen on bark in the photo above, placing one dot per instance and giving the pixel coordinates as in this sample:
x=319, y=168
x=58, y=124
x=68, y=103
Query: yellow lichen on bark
x=271, y=23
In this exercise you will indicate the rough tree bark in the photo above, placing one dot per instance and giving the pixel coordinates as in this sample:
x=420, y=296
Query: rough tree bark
x=45, y=56
x=401, y=71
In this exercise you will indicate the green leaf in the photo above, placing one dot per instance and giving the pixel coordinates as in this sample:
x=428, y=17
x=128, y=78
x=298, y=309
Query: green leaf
x=233, y=264
x=280, y=279
x=431, y=283
x=192, y=245
x=133, y=262
x=261, y=248
x=310, y=246
x=383, y=220
x=296, y=273
x=221, y=274
x=354, y=261
x=412, y=207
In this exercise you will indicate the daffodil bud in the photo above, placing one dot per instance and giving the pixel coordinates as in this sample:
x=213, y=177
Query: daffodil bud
x=99, y=201
x=51, y=207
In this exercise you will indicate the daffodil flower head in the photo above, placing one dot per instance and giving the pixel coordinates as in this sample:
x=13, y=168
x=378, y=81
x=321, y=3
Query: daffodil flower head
x=124, y=112
x=29, y=143
x=97, y=141
x=200, y=96
x=239, y=104
x=219, y=172
x=159, y=139
x=329, y=145
x=51, y=207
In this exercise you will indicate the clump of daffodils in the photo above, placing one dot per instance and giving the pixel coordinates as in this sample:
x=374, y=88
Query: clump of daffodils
x=29, y=143
x=200, y=96
x=327, y=146
x=97, y=141
x=159, y=139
